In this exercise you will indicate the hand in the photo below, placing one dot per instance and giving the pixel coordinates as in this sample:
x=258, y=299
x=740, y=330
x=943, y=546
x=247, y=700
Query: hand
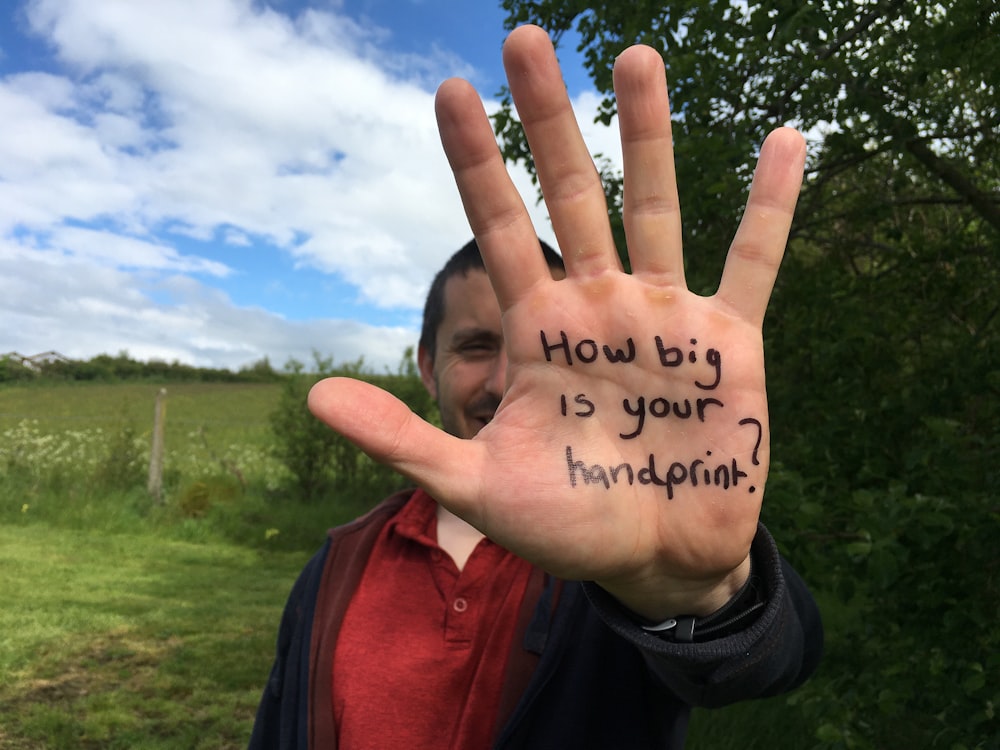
x=644, y=474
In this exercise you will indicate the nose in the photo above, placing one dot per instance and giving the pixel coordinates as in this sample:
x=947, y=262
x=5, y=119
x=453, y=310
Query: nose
x=497, y=378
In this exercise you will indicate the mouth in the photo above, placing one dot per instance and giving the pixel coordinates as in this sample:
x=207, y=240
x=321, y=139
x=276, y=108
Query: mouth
x=482, y=411
x=481, y=420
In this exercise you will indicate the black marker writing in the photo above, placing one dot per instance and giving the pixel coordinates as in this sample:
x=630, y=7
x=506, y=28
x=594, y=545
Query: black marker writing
x=694, y=473
x=660, y=408
x=715, y=360
x=587, y=350
x=760, y=435
x=581, y=400
x=673, y=356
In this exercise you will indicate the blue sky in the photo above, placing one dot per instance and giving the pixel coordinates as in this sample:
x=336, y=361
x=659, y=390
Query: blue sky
x=215, y=181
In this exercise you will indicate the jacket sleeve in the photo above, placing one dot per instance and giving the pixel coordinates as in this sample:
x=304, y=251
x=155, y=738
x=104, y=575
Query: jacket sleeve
x=282, y=716
x=775, y=653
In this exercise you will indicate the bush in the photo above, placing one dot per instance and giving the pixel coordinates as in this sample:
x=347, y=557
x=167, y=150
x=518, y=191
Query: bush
x=320, y=461
x=12, y=371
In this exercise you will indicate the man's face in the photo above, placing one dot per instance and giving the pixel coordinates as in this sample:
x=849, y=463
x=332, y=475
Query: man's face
x=467, y=371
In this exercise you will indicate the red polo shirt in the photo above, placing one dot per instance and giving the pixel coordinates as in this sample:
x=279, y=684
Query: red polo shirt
x=421, y=655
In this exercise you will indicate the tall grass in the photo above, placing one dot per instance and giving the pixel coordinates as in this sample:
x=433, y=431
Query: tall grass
x=210, y=428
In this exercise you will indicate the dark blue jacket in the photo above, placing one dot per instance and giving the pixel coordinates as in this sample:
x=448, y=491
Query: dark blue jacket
x=582, y=674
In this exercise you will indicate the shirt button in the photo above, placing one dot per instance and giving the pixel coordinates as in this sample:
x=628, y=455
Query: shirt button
x=460, y=605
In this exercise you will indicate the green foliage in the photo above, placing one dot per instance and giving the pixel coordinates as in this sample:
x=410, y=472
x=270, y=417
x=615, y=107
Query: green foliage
x=123, y=465
x=304, y=445
x=13, y=371
x=322, y=462
x=105, y=368
x=882, y=337
x=911, y=86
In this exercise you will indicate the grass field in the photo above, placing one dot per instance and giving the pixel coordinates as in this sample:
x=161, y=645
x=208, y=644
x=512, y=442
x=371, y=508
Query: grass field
x=208, y=426
x=127, y=624
x=227, y=411
x=128, y=641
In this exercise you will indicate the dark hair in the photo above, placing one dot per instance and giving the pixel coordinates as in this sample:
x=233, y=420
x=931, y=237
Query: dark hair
x=465, y=260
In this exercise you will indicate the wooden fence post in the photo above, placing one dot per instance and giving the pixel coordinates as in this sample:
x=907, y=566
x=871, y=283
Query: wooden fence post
x=155, y=486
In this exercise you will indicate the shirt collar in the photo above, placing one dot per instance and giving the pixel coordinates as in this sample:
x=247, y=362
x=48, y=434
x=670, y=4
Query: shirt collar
x=417, y=520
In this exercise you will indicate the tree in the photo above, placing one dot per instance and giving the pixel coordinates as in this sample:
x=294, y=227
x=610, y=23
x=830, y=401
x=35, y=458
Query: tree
x=13, y=371
x=882, y=335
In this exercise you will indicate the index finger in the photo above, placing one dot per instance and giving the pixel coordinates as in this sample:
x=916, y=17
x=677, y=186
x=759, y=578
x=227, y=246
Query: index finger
x=568, y=178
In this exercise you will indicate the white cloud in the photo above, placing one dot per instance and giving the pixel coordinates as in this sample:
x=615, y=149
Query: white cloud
x=600, y=139
x=282, y=128
x=79, y=307
x=120, y=251
x=220, y=120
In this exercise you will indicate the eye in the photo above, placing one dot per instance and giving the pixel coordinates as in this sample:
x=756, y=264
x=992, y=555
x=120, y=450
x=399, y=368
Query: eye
x=477, y=348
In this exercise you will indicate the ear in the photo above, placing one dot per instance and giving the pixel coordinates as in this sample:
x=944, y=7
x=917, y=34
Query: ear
x=425, y=363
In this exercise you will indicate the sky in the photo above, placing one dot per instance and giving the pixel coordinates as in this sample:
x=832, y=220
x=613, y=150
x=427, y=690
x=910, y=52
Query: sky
x=219, y=181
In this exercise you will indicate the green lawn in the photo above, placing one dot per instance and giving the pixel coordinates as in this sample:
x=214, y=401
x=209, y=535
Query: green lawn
x=125, y=641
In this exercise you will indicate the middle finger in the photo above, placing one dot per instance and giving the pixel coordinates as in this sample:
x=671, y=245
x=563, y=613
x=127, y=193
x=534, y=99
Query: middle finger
x=566, y=172
x=651, y=210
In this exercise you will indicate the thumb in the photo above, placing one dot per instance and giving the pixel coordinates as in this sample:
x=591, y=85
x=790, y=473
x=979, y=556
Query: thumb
x=387, y=430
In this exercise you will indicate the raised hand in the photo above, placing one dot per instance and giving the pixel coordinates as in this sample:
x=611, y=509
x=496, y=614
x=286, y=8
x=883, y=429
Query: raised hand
x=631, y=445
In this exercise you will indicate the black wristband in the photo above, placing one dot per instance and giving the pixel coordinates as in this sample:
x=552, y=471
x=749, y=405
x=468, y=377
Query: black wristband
x=735, y=615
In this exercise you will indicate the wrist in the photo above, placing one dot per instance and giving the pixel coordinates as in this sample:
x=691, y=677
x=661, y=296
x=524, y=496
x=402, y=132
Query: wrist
x=741, y=610
x=654, y=600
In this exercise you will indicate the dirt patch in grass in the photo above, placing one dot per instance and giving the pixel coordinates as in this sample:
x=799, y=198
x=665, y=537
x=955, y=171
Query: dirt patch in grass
x=114, y=660
x=116, y=675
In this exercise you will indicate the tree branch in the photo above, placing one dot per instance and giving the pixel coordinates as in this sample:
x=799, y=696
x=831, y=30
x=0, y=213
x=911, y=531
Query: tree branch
x=863, y=24
x=986, y=204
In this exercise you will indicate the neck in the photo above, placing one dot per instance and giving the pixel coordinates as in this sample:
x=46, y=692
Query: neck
x=456, y=537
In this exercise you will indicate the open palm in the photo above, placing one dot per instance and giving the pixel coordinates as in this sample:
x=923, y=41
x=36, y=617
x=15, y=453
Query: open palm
x=631, y=445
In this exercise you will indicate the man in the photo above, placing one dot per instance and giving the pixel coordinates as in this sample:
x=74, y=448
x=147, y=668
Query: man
x=584, y=561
